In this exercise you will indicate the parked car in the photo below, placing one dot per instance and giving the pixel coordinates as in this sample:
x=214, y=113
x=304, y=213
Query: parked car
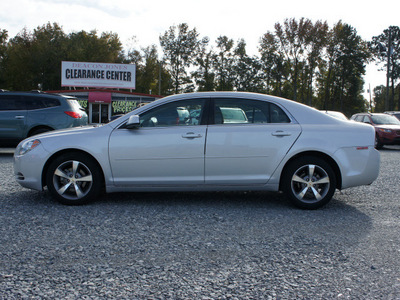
x=24, y=114
x=336, y=114
x=394, y=113
x=289, y=147
x=387, y=127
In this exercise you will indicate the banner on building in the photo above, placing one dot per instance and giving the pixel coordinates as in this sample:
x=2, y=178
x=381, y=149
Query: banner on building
x=98, y=75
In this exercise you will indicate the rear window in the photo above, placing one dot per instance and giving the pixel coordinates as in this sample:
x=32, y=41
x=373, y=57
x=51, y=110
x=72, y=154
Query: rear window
x=74, y=104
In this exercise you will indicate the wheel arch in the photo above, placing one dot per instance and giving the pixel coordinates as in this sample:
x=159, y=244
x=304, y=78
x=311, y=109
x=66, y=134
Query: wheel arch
x=59, y=153
x=39, y=127
x=321, y=155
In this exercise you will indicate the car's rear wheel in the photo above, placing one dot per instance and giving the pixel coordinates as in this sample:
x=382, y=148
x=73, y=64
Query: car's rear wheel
x=309, y=182
x=74, y=178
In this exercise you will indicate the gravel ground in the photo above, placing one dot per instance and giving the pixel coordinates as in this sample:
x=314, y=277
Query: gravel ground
x=201, y=245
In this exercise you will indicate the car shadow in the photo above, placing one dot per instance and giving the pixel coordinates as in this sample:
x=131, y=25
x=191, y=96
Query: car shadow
x=251, y=213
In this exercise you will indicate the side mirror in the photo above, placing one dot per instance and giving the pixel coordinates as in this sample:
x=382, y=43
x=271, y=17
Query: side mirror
x=133, y=122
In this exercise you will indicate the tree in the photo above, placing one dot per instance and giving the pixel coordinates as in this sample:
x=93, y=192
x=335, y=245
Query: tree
x=381, y=45
x=347, y=55
x=316, y=43
x=48, y=50
x=33, y=59
x=293, y=40
x=204, y=76
x=148, y=72
x=18, y=62
x=273, y=66
x=3, y=48
x=246, y=70
x=223, y=62
x=180, y=46
x=87, y=46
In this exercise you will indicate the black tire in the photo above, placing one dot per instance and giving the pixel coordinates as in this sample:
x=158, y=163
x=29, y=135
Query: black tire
x=40, y=130
x=74, y=178
x=309, y=182
x=378, y=144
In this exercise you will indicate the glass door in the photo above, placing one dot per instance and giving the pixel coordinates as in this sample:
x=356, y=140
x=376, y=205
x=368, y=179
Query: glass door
x=99, y=113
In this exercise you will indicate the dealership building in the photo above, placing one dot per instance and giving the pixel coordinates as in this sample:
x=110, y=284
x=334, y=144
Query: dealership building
x=102, y=89
x=102, y=104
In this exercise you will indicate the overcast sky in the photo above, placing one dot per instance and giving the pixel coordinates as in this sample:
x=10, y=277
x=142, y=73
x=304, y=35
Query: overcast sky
x=148, y=19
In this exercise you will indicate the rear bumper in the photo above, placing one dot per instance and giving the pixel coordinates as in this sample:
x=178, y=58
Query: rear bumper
x=359, y=165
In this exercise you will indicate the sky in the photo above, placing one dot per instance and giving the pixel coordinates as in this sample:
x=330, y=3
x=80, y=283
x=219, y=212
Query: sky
x=146, y=20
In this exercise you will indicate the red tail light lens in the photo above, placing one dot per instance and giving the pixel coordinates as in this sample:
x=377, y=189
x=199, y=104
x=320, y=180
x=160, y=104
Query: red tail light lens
x=73, y=114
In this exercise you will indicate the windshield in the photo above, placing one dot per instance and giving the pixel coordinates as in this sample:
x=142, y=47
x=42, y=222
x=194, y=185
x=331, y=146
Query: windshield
x=385, y=120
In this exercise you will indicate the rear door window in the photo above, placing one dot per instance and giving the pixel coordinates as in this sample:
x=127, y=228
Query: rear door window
x=245, y=111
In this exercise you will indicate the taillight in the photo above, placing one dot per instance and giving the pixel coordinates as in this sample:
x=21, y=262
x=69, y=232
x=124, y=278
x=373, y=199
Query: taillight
x=75, y=115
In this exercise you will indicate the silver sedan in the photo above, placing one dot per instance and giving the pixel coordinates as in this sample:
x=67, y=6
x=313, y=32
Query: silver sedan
x=232, y=141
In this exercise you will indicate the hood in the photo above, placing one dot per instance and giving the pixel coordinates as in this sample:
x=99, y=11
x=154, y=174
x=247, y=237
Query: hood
x=392, y=127
x=72, y=130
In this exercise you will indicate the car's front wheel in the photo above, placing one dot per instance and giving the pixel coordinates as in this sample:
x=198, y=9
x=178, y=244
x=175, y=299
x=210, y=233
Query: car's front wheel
x=378, y=144
x=74, y=178
x=309, y=182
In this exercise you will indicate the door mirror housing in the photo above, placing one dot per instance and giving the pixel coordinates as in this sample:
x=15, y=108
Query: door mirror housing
x=133, y=122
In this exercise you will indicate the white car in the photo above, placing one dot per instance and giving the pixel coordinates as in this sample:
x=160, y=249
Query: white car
x=280, y=145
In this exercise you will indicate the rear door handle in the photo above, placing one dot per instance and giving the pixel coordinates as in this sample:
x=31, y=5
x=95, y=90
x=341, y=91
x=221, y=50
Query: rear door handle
x=192, y=135
x=281, y=133
x=19, y=117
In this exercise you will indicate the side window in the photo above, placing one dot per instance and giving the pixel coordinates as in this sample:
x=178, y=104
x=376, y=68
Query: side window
x=366, y=120
x=278, y=115
x=178, y=113
x=11, y=102
x=243, y=111
x=34, y=103
x=49, y=102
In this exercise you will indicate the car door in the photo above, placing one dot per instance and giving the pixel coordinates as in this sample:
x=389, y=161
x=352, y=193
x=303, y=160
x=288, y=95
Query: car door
x=167, y=148
x=247, y=151
x=12, y=118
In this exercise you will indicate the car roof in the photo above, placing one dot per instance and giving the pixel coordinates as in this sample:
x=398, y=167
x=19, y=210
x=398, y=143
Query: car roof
x=35, y=93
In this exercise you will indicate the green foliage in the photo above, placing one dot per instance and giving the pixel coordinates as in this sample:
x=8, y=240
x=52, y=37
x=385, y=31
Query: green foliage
x=180, y=46
x=386, y=49
x=33, y=59
x=3, y=48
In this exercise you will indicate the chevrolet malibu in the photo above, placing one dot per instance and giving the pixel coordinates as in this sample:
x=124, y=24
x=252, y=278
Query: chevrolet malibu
x=281, y=145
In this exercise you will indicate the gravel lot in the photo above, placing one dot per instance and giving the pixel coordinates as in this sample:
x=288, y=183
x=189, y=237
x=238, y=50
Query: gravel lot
x=201, y=245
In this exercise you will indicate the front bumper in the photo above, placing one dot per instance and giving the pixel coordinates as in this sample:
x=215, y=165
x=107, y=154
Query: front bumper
x=28, y=168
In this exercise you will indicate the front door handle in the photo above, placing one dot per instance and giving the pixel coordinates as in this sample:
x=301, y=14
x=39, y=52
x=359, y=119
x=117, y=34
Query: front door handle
x=192, y=135
x=281, y=133
x=19, y=117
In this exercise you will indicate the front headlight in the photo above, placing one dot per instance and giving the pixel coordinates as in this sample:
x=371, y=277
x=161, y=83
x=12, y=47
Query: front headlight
x=385, y=130
x=27, y=146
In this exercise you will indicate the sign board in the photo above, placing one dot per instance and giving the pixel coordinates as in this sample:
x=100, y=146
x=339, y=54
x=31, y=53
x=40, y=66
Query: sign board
x=98, y=75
